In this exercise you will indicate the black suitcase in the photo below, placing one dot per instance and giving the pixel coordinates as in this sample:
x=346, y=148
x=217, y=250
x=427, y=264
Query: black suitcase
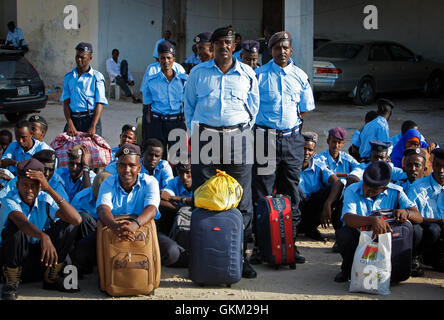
x=402, y=246
x=216, y=247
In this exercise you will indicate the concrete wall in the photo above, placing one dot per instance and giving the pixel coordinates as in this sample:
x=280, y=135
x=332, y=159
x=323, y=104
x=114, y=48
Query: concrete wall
x=127, y=25
x=415, y=23
x=203, y=15
x=8, y=12
x=51, y=45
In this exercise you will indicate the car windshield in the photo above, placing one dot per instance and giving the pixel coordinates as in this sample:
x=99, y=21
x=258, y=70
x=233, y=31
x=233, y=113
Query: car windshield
x=338, y=50
x=16, y=67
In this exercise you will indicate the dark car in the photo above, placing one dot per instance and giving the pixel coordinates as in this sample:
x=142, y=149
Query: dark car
x=363, y=69
x=22, y=91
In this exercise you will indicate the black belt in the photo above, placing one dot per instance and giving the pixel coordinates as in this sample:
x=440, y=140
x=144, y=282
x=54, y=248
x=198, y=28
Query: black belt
x=228, y=129
x=82, y=114
x=168, y=117
x=282, y=133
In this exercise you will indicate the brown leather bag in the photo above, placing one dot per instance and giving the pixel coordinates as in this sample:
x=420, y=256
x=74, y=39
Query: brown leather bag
x=128, y=268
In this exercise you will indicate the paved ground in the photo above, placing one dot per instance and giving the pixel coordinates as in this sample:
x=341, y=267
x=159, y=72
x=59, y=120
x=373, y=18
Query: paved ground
x=312, y=280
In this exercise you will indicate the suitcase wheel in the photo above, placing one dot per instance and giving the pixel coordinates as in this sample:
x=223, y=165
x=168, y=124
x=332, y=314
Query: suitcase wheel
x=292, y=266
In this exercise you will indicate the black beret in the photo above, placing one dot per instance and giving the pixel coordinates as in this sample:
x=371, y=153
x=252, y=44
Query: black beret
x=203, y=37
x=128, y=148
x=128, y=127
x=278, y=37
x=84, y=47
x=29, y=164
x=384, y=102
x=378, y=174
x=379, y=145
x=310, y=136
x=409, y=151
x=39, y=119
x=75, y=153
x=166, y=47
x=45, y=156
x=224, y=32
x=438, y=153
x=250, y=46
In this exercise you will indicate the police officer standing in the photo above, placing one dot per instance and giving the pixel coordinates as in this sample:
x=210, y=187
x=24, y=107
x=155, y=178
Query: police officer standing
x=83, y=95
x=163, y=98
x=250, y=53
x=204, y=47
x=285, y=97
x=222, y=99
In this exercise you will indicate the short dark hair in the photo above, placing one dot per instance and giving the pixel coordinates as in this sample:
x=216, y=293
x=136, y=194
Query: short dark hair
x=115, y=50
x=384, y=106
x=11, y=24
x=370, y=116
x=23, y=123
x=6, y=133
x=407, y=125
x=152, y=142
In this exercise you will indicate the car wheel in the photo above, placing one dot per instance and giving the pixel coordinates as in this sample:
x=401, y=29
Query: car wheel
x=14, y=117
x=365, y=92
x=434, y=85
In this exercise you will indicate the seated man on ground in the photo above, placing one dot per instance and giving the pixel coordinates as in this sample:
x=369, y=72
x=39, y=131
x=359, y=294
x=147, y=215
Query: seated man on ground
x=321, y=189
x=355, y=142
x=128, y=135
x=77, y=176
x=5, y=140
x=128, y=192
x=375, y=192
x=39, y=127
x=118, y=72
x=428, y=195
x=38, y=232
x=414, y=166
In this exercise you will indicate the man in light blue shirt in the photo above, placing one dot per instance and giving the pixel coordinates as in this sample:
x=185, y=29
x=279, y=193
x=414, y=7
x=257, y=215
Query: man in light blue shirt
x=163, y=98
x=83, y=95
x=355, y=142
x=128, y=135
x=378, y=129
x=361, y=199
x=285, y=98
x=414, y=165
x=221, y=100
x=23, y=148
x=15, y=37
x=35, y=226
x=428, y=195
x=166, y=37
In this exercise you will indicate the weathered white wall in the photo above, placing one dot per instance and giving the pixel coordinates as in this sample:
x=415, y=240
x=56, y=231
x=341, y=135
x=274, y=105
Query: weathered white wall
x=203, y=15
x=8, y=12
x=51, y=45
x=415, y=23
x=127, y=26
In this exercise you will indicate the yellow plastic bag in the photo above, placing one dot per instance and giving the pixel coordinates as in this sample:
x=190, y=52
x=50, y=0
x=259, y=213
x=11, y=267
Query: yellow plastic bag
x=220, y=192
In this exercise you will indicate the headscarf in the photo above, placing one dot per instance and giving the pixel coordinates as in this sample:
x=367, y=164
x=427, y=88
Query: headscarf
x=400, y=146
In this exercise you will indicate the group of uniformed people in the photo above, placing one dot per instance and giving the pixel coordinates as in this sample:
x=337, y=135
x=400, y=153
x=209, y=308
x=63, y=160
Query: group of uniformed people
x=48, y=216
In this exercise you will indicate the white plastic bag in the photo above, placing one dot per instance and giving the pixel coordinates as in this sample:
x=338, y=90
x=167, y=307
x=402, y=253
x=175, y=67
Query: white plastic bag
x=372, y=264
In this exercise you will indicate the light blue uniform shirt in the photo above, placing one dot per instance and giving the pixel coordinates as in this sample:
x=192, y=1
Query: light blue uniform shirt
x=144, y=193
x=176, y=189
x=84, y=202
x=155, y=68
x=315, y=177
x=113, y=153
x=220, y=100
x=193, y=59
x=237, y=55
x=356, y=203
x=165, y=97
x=16, y=152
x=37, y=215
x=156, y=46
x=356, y=138
x=55, y=182
x=84, y=92
x=377, y=129
x=71, y=187
x=15, y=37
x=405, y=185
x=428, y=195
x=162, y=172
x=397, y=173
x=284, y=94
x=345, y=163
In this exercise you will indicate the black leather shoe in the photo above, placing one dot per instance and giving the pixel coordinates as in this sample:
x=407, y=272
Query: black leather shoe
x=248, y=271
x=297, y=257
x=9, y=292
x=255, y=257
x=315, y=234
x=342, y=277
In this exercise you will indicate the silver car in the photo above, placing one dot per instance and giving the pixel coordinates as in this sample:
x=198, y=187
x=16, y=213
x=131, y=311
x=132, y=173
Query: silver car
x=364, y=68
